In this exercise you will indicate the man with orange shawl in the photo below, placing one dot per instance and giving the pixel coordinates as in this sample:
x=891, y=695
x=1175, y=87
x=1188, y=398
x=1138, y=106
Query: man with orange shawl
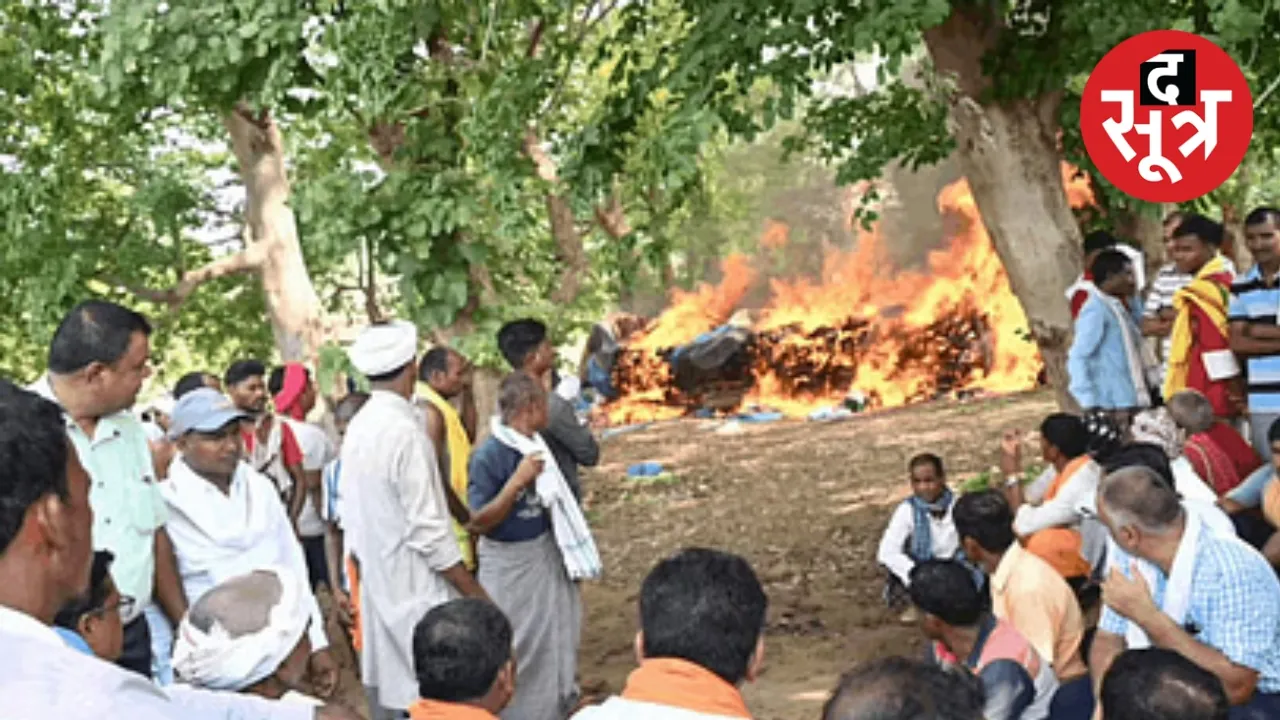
x=1052, y=529
x=1200, y=356
x=701, y=637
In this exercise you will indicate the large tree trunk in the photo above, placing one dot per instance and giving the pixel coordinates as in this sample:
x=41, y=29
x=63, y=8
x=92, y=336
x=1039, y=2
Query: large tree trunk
x=297, y=318
x=1148, y=231
x=1009, y=153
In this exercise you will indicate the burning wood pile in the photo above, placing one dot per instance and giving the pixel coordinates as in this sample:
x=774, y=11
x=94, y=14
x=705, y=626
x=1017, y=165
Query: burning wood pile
x=865, y=328
x=719, y=372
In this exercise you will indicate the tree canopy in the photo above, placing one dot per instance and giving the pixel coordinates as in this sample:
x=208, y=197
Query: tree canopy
x=461, y=163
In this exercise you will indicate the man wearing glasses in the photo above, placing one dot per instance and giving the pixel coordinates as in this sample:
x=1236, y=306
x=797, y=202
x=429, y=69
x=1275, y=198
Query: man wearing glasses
x=92, y=622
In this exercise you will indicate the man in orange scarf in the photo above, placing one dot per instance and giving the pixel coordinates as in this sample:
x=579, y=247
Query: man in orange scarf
x=1200, y=355
x=702, y=622
x=463, y=661
x=1051, y=529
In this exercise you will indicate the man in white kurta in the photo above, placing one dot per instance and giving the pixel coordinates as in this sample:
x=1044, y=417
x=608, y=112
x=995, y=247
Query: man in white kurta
x=225, y=518
x=397, y=517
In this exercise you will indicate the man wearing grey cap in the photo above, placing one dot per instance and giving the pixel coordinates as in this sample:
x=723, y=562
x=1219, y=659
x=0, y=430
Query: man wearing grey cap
x=225, y=518
x=397, y=518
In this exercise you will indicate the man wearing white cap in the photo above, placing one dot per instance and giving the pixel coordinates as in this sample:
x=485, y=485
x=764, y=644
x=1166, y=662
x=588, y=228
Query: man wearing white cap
x=249, y=635
x=226, y=519
x=397, y=517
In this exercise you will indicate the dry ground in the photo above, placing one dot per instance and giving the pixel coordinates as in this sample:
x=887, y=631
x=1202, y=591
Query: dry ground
x=805, y=503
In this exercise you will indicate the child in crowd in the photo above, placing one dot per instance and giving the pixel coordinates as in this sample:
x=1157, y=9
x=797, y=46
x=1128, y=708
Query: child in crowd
x=91, y=623
x=920, y=529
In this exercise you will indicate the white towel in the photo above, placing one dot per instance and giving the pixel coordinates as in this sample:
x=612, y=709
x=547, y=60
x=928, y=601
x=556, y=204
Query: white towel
x=216, y=661
x=573, y=536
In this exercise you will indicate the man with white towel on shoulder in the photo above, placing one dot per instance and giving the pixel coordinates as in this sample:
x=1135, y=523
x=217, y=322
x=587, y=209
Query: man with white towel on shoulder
x=534, y=546
x=1193, y=589
x=397, y=517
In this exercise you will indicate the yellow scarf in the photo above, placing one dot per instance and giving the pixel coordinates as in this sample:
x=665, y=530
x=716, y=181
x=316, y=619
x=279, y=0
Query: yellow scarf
x=459, y=454
x=1206, y=295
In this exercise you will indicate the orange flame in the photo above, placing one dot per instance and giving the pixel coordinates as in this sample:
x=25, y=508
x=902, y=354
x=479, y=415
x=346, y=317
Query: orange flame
x=861, y=301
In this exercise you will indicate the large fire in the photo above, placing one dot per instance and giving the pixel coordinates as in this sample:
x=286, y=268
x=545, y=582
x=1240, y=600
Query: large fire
x=892, y=336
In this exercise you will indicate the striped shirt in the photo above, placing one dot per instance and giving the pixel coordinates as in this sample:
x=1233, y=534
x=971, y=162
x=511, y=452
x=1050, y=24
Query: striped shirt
x=1254, y=301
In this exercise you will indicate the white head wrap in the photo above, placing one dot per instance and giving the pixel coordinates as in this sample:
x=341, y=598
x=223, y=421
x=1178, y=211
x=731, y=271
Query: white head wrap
x=383, y=348
x=216, y=661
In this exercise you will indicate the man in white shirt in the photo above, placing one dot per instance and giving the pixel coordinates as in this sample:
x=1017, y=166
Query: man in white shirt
x=398, y=519
x=920, y=529
x=225, y=518
x=294, y=395
x=45, y=556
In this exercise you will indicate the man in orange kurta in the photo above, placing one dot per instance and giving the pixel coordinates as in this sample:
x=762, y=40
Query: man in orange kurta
x=1200, y=355
x=463, y=659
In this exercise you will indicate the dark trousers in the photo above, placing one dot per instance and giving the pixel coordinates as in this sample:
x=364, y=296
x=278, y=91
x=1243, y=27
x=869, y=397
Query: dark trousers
x=1073, y=701
x=136, y=655
x=317, y=568
x=1261, y=707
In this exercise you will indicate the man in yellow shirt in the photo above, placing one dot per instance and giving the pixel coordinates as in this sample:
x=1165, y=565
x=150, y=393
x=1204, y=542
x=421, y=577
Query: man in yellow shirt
x=1030, y=594
x=450, y=409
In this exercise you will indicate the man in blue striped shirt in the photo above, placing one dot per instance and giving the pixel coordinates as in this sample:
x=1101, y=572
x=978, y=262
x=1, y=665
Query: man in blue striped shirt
x=1255, y=335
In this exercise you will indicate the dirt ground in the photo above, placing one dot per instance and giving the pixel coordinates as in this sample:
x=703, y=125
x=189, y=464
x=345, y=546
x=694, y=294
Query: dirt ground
x=805, y=503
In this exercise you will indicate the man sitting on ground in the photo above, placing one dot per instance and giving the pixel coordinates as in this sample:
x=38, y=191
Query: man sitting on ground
x=1157, y=684
x=91, y=623
x=920, y=529
x=896, y=688
x=249, y=635
x=1221, y=468
x=1051, y=529
x=1216, y=600
x=463, y=659
x=1018, y=681
x=702, y=616
x=1027, y=592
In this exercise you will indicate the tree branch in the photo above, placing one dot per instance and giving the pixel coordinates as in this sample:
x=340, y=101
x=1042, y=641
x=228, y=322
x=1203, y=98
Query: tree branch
x=245, y=261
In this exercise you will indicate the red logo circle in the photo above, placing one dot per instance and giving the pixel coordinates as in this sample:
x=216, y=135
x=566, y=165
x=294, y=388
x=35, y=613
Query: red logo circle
x=1166, y=116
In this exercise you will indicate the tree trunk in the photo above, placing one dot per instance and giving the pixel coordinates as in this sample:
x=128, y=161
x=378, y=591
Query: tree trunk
x=1009, y=153
x=297, y=319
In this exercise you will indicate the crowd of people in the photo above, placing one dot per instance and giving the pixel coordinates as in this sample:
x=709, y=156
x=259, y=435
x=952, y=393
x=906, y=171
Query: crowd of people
x=1152, y=530
x=170, y=565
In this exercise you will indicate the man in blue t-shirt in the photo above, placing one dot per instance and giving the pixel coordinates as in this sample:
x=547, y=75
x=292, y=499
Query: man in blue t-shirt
x=520, y=564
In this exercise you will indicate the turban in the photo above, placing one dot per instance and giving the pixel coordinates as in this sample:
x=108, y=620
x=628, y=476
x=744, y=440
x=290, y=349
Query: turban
x=385, y=347
x=295, y=382
x=215, y=660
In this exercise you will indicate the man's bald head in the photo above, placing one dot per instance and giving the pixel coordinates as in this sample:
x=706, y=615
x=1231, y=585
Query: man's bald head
x=1138, y=497
x=900, y=689
x=241, y=605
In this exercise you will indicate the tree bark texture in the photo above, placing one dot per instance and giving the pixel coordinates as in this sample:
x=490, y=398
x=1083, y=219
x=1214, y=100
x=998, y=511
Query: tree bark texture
x=297, y=317
x=1009, y=153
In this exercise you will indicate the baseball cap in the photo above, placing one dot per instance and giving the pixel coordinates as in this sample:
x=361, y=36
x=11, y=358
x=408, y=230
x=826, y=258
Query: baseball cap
x=202, y=410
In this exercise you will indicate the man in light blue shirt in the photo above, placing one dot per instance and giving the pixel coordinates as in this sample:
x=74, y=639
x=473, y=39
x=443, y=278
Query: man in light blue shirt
x=1105, y=364
x=1195, y=590
x=98, y=360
